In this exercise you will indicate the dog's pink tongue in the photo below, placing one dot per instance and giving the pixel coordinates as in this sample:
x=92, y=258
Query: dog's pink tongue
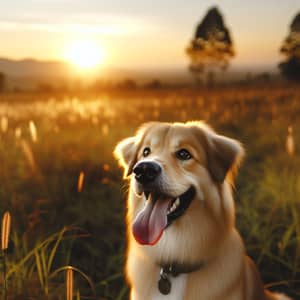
x=150, y=223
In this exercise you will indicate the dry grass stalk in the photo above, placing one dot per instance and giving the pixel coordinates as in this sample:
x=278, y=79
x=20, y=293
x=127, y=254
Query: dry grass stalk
x=290, y=144
x=18, y=132
x=33, y=131
x=69, y=283
x=4, y=124
x=6, y=223
x=80, y=182
x=105, y=129
x=29, y=155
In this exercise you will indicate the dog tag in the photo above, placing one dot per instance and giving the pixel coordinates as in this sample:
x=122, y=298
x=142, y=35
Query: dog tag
x=164, y=285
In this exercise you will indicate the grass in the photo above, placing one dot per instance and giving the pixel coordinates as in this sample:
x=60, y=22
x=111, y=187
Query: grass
x=57, y=170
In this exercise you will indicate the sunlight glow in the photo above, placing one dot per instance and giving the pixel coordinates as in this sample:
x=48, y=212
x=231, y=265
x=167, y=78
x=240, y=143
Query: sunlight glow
x=85, y=54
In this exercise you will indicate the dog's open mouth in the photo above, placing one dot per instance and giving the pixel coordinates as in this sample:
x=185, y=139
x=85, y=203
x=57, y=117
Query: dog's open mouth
x=158, y=213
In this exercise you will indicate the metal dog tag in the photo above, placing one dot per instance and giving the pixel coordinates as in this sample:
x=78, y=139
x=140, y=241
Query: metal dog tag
x=164, y=284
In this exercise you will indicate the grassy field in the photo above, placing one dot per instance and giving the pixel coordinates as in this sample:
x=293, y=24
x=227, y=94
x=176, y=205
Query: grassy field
x=66, y=197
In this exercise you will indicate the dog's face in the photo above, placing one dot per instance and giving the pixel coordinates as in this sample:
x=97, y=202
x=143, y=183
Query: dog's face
x=176, y=172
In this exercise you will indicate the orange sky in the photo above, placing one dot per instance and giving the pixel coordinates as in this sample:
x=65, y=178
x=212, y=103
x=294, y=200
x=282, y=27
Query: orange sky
x=139, y=34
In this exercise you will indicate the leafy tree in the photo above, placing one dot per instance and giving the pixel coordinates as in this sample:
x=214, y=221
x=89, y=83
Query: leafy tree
x=211, y=48
x=2, y=81
x=290, y=68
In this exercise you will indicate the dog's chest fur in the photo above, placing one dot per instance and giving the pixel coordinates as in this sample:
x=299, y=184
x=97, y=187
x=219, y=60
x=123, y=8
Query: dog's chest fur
x=178, y=285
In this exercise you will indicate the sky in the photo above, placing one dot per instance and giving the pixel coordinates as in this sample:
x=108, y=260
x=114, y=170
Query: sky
x=141, y=34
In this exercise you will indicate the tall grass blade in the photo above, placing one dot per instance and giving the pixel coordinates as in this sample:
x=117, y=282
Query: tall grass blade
x=286, y=237
x=54, y=249
x=78, y=295
x=17, y=266
x=39, y=268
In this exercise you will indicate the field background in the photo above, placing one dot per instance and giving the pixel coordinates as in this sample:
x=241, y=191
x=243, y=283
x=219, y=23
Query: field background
x=50, y=142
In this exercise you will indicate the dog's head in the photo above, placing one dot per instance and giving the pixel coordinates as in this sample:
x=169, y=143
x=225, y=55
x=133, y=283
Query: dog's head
x=173, y=168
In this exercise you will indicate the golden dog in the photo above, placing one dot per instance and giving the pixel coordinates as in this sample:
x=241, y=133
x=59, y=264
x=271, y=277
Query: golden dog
x=182, y=240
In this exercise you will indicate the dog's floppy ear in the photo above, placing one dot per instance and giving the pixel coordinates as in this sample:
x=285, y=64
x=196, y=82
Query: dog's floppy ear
x=224, y=154
x=125, y=152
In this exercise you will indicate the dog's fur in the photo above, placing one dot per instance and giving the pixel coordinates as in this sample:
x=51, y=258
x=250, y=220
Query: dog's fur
x=205, y=232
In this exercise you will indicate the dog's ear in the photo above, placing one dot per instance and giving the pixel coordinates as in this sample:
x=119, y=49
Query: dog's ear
x=125, y=153
x=224, y=155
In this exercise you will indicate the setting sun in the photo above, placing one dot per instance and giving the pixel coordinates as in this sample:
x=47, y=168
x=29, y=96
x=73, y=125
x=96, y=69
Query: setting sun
x=85, y=54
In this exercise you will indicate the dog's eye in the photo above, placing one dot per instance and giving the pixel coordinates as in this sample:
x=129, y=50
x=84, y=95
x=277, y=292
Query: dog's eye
x=146, y=151
x=183, y=154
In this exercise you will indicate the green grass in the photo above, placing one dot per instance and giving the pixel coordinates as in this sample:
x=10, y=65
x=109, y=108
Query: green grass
x=39, y=180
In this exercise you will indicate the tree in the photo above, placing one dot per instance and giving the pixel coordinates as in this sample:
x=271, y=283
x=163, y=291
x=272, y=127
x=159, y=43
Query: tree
x=211, y=48
x=2, y=81
x=290, y=67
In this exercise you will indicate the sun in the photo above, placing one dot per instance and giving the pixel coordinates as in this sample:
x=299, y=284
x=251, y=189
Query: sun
x=85, y=54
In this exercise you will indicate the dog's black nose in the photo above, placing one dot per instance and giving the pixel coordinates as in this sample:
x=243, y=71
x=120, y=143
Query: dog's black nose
x=146, y=172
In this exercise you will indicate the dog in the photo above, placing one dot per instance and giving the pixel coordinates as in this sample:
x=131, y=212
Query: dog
x=182, y=240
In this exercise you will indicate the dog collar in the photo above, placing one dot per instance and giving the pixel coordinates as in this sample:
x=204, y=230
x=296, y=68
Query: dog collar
x=174, y=269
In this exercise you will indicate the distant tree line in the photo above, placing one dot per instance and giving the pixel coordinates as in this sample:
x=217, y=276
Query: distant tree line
x=102, y=85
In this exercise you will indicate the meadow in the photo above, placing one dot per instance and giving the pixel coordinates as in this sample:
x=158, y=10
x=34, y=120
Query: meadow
x=66, y=197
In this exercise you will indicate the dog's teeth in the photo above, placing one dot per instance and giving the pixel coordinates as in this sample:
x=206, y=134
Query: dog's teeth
x=174, y=205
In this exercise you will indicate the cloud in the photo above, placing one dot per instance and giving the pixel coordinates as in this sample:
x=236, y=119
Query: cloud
x=104, y=25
